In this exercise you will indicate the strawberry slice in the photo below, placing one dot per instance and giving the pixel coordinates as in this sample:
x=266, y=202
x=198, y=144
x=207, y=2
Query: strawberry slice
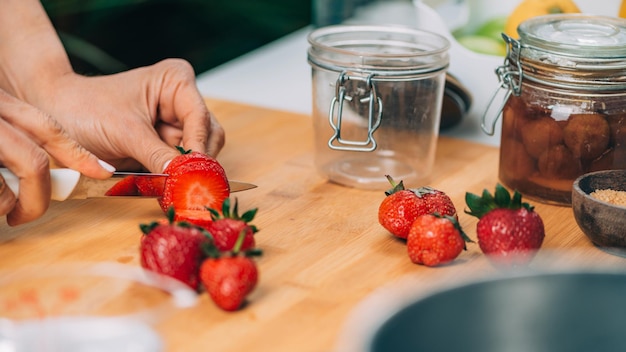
x=124, y=187
x=200, y=218
x=150, y=186
x=195, y=186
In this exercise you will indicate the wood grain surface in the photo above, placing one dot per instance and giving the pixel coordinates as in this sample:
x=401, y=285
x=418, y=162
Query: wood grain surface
x=324, y=251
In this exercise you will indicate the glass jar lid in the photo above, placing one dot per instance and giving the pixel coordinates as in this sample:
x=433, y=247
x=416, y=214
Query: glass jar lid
x=384, y=50
x=576, y=35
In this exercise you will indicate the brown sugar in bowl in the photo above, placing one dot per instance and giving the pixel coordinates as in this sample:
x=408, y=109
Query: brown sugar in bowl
x=603, y=222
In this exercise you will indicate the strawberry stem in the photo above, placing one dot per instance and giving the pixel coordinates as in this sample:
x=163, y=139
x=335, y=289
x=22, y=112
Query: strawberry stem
x=183, y=150
x=396, y=187
x=239, y=242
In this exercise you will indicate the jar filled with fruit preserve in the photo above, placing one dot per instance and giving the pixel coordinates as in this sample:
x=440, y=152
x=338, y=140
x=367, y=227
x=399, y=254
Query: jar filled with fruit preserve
x=564, y=111
x=377, y=100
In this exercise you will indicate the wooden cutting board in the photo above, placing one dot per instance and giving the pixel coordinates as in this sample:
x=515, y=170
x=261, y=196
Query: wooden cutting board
x=324, y=250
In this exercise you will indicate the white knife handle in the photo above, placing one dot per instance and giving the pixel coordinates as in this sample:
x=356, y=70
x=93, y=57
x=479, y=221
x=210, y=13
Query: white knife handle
x=63, y=182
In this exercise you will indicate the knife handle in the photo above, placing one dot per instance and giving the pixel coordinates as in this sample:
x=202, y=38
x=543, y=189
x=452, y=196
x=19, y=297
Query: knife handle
x=63, y=182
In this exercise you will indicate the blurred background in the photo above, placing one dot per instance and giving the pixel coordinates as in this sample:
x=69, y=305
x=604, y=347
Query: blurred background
x=108, y=36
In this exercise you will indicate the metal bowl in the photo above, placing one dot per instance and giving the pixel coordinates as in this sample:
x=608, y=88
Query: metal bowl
x=602, y=222
x=551, y=312
x=581, y=310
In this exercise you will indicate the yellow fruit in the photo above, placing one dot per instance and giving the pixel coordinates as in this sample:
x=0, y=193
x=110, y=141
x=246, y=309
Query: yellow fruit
x=532, y=8
x=622, y=9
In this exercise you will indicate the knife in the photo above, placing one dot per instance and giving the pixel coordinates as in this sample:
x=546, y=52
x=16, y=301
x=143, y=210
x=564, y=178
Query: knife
x=70, y=184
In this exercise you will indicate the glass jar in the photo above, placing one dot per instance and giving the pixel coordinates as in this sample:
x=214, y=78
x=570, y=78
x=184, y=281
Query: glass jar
x=564, y=112
x=377, y=97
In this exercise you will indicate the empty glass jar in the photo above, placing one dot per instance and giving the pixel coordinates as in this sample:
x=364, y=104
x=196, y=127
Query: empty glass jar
x=377, y=94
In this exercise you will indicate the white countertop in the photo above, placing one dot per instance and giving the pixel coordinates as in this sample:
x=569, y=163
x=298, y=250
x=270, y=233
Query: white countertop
x=278, y=76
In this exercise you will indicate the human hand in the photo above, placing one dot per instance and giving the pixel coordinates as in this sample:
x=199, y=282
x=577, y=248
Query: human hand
x=27, y=136
x=136, y=117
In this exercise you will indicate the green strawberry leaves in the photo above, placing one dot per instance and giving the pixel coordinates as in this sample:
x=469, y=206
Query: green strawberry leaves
x=483, y=204
x=397, y=187
x=457, y=226
x=233, y=213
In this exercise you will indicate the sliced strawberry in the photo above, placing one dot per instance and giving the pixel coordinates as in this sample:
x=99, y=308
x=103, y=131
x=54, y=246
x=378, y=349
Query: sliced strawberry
x=150, y=186
x=195, y=186
x=124, y=187
x=200, y=218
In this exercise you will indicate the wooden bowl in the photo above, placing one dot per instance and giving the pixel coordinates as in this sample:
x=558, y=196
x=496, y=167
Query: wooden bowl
x=602, y=222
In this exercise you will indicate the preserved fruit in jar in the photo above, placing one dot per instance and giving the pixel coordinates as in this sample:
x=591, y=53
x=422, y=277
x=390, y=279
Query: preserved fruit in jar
x=547, y=143
x=565, y=111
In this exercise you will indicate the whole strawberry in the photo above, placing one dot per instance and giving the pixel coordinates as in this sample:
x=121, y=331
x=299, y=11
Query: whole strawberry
x=227, y=227
x=509, y=231
x=402, y=206
x=173, y=249
x=434, y=240
x=229, y=277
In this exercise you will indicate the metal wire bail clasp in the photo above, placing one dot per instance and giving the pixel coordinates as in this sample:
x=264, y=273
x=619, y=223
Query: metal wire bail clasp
x=510, y=76
x=335, y=115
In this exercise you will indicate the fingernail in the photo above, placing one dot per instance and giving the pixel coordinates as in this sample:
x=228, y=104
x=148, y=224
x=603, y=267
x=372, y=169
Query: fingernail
x=166, y=164
x=106, y=166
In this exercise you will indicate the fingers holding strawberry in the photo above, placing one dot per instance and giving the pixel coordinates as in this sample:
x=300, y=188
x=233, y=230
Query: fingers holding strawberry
x=402, y=206
x=509, y=231
x=435, y=240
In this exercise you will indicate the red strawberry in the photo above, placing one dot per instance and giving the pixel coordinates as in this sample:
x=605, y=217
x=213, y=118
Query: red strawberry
x=173, y=249
x=150, y=186
x=509, y=232
x=227, y=228
x=195, y=181
x=124, y=187
x=229, y=277
x=434, y=240
x=201, y=218
x=402, y=206
x=186, y=156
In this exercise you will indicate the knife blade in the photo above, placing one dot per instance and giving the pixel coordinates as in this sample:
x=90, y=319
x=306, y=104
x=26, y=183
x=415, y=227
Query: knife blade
x=70, y=184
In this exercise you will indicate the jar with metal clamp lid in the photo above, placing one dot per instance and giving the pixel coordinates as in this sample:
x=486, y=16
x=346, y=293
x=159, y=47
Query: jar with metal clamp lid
x=564, y=110
x=377, y=98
